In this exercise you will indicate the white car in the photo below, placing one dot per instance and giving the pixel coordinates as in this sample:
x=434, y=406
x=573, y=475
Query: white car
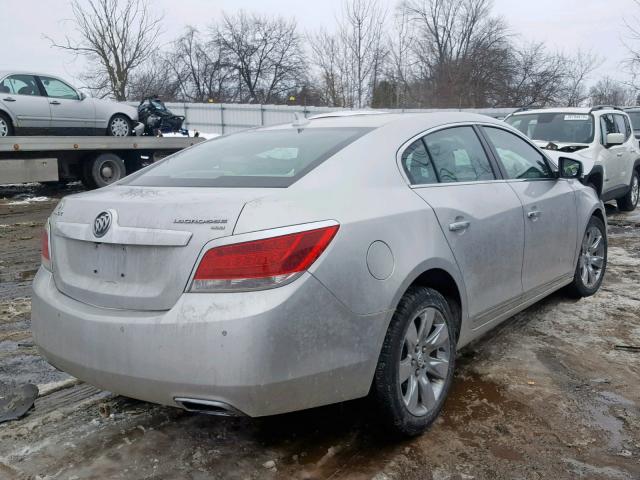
x=600, y=137
x=35, y=104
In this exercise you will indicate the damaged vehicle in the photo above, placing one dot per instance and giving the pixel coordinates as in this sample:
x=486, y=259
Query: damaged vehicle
x=36, y=104
x=158, y=119
x=300, y=265
x=601, y=137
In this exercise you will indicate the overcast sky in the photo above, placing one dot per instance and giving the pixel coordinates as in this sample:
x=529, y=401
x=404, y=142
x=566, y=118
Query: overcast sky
x=596, y=25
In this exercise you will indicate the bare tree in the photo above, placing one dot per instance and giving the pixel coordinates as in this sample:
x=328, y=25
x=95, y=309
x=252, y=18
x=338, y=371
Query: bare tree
x=536, y=77
x=607, y=91
x=266, y=53
x=454, y=41
x=154, y=78
x=201, y=68
x=117, y=37
x=578, y=69
x=327, y=56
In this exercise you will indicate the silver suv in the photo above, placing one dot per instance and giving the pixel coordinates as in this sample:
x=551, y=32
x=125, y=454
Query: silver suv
x=602, y=139
x=294, y=266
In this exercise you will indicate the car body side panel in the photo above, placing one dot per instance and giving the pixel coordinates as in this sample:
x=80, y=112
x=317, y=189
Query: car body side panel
x=549, y=250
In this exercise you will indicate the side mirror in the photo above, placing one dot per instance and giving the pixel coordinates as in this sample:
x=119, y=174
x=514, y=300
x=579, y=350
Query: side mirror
x=82, y=96
x=615, y=139
x=570, y=168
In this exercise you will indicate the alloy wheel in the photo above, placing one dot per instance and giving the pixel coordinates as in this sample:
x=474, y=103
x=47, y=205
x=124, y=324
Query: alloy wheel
x=4, y=127
x=635, y=190
x=424, y=361
x=119, y=127
x=591, y=256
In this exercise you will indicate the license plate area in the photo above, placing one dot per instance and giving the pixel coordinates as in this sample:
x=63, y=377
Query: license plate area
x=108, y=262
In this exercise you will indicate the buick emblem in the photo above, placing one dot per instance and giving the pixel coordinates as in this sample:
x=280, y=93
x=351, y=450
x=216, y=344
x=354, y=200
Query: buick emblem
x=101, y=224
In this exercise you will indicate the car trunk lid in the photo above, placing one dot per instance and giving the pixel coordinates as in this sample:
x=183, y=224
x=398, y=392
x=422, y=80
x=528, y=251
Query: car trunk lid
x=141, y=251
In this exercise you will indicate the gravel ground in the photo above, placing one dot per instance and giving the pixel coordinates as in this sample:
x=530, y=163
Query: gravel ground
x=545, y=395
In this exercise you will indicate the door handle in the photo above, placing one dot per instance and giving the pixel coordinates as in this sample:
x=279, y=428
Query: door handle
x=459, y=226
x=9, y=99
x=55, y=102
x=619, y=154
x=533, y=214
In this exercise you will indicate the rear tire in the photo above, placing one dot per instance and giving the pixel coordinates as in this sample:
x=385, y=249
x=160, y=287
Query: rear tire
x=592, y=261
x=6, y=127
x=103, y=170
x=629, y=202
x=416, y=364
x=119, y=126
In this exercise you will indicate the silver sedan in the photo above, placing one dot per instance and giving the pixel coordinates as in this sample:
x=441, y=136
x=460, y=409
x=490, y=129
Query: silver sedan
x=294, y=266
x=36, y=104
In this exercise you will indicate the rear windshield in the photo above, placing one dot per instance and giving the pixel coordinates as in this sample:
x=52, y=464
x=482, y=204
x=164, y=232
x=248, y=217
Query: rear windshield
x=555, y=127
x=260, y=158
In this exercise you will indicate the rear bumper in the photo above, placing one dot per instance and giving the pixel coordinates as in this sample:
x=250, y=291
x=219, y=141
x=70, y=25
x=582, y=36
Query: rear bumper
x=262, y=353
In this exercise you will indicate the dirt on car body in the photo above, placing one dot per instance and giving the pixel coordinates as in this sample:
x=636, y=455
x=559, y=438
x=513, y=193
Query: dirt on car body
x=545, y=395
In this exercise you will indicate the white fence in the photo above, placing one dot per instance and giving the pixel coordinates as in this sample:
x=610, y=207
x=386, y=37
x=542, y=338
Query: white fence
x=231, y=117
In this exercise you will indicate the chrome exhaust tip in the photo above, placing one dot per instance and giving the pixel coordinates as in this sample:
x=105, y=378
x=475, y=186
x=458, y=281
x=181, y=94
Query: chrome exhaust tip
x=208, y=407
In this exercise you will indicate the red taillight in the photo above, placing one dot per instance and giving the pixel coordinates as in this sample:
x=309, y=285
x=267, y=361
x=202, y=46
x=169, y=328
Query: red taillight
x=261, y=263
x=45, y=252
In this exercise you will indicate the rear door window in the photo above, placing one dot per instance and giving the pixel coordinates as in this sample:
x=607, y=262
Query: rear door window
x=458, y=155
x=260, y=158
x=20, y=85
x=621, y=125
x=417, y=164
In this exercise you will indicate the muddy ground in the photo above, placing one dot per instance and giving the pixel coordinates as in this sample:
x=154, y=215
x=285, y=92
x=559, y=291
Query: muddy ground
x=545, y=396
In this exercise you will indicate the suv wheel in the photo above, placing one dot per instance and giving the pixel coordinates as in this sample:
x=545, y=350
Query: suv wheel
x=416, y=365
x=592, y=261
x=630, y=201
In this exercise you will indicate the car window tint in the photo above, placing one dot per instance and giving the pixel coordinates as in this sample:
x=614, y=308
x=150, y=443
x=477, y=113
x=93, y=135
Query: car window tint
x=458, y=156
x=417, y=165
x=519, y=159
x=58, y=89
x=621, y=126
x=262, y=158
x=20, y=85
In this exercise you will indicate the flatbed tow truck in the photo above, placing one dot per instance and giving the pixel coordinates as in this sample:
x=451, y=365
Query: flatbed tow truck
x=95, y=161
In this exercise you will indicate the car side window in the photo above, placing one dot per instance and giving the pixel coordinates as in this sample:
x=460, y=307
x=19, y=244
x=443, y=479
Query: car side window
x=417, y=164
x=627, y=124
x=458, y=155
x=58, y=89
x=520, y=160
x=607, y=126
x=20, y=85
x=621, y=126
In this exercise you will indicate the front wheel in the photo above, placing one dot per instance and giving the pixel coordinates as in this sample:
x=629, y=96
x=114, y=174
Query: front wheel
x=592, y=261
x=415, y=368
x=629, y=202
x=119, y=126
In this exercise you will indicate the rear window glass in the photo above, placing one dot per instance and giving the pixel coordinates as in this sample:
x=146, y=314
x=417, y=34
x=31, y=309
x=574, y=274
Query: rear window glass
x=262, y=158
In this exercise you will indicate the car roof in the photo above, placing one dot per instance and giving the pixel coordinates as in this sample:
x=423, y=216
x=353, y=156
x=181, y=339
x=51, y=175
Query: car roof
x=576, y=110
x=4, y=73
x=379, y=119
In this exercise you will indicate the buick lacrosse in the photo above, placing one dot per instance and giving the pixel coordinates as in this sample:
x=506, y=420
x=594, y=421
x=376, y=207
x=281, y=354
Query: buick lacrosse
x=299, y=265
